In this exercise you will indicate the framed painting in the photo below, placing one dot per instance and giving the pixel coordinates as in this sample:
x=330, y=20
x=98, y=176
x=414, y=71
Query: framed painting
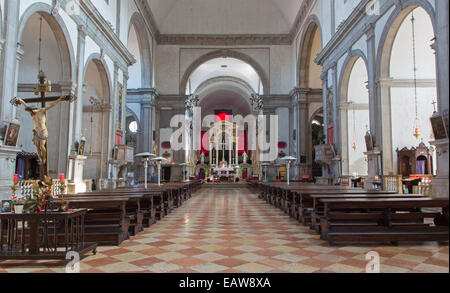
x=6, y=206
x=12, y=134
x=439, y=126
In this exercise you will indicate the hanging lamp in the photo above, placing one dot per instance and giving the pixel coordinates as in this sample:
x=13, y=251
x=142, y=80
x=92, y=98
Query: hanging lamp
x=417, y=132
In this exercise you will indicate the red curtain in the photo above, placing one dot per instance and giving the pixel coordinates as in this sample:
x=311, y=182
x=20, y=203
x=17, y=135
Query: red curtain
x=205, y=143
x=119, y=138
x=223, y=116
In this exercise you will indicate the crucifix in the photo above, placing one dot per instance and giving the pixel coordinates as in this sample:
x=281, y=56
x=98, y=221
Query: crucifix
x=39, y=116
x=434, y=106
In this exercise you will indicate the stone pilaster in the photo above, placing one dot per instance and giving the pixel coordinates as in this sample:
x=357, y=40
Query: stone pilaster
x=7, y=169
x=324, y=77
x=80, y=83
x=9, y=61
x=440, y=185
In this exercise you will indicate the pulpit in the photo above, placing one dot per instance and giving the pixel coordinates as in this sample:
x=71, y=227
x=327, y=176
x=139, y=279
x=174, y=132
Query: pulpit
x=325, y=156
x=76, y=184
x=123, y=156
x=415, y=161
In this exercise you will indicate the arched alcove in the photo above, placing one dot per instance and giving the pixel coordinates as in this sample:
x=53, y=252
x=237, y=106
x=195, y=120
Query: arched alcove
x=354, y=114
x=97, y=110
x=138, y=44
x=310, y=82
x=398, y=91
x=215, y=58
x=56, y=62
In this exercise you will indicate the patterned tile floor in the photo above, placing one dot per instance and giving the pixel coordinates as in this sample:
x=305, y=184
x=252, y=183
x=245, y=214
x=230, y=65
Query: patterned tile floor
x=231, y=230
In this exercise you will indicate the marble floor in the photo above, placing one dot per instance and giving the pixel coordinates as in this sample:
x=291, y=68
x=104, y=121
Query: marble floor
x=232, y=231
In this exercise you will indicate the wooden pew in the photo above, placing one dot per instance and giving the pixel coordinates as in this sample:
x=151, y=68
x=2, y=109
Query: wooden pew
x=393, y=220
x=149, y=203
x=133, y=207
x=318, y=208
x=106, y=222
x=306, y=203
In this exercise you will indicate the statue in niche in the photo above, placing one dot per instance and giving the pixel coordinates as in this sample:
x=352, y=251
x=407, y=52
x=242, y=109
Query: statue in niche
x=202, y=158
x=245, y=158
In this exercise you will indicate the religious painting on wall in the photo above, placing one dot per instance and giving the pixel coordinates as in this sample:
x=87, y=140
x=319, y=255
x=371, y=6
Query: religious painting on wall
x=120, y=105
x=439, y=126
x=12, y=134
x=6, y=206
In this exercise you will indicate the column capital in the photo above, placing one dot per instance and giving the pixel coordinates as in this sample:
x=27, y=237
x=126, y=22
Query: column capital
x=20, y=52
x=82, y=31
x=369, y=30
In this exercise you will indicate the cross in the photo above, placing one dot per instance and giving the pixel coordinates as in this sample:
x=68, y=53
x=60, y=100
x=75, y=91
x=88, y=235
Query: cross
x=39, y=116
x=434, y=105
x=41, y=89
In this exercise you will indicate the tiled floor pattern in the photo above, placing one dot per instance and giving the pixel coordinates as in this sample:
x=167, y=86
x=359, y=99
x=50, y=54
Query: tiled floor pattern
x=231, y=230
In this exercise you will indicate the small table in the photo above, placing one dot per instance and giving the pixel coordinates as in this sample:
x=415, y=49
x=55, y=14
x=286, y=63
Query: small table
x=45, y=236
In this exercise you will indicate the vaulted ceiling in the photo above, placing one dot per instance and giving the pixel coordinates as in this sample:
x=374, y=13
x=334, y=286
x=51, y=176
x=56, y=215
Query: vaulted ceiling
x=224, y=17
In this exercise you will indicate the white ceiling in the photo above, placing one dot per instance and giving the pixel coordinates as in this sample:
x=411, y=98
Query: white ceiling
x=234, y=68
x=225, y=16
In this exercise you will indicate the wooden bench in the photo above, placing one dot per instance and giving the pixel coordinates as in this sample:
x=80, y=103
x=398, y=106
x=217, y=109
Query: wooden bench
x=306, y=203
x=106, y=221
x=149, y=203
x=318, y=207
x=384, y=220
x=133, y=207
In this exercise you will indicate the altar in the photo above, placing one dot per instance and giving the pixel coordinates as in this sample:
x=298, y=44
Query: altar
x=224, y=173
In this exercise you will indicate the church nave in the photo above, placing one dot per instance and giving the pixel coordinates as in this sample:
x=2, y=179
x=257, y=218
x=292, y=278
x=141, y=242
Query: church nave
x=232, y=231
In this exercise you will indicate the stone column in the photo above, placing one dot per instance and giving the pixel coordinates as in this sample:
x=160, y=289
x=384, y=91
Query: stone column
x=337, y=140
x=440, y=185
x=9, y=61
x=304, y=132
x=80, y=83
x=10, y=57
x=343, y=109
x=237, y=147
x=336, y=168
x=371, y=60
x=373, y=171
x=295, y=126
x=324, y=78
x=19, y=57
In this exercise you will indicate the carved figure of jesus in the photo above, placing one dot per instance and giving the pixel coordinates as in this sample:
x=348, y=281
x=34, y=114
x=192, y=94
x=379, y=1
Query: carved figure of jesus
x=40, y=132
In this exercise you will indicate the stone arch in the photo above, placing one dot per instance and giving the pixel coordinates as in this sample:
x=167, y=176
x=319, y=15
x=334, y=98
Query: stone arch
x=313, y=24
x=390, y=31
x=61, y=34
x=145, y=51
x=352, y=160
x=98, y=118
x=346, y=71
x=223, y=54
x=231, y=84
x=102, y=67
x=130, y=111
x=62, y=70
x=386, y=139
